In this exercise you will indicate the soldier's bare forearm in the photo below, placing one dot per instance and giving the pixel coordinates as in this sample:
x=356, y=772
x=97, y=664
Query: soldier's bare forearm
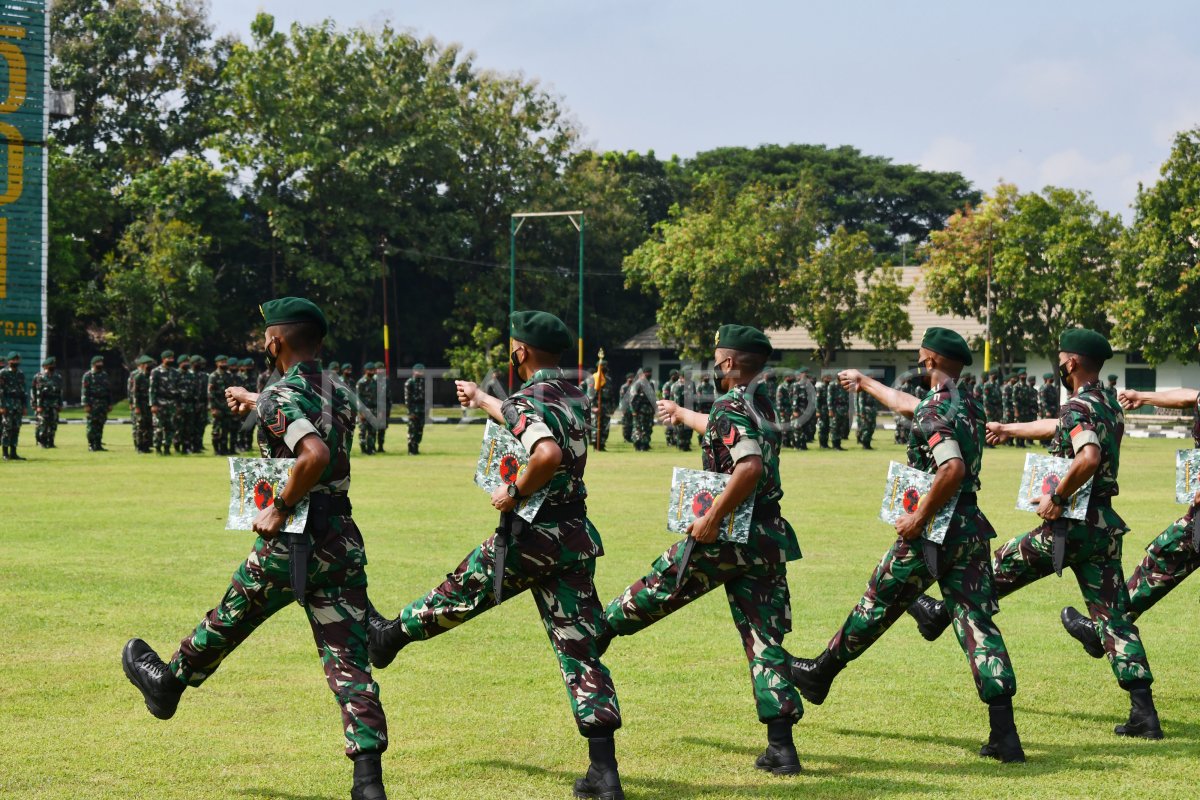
x=1172, y=398
x=897, y=401
x=1038, y=429
x=946, y=482
x=693, y=419
x=1082, y=468
x=742, y=484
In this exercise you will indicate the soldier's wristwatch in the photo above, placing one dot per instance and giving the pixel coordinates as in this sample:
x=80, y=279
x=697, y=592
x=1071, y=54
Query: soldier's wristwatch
x=513, y=492
x=1058, y=499
x=282, y=507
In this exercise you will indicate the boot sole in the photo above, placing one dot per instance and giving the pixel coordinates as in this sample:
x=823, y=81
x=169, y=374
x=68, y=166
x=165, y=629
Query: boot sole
x=1092, y=646
x=594, y=796
x=1152, y=735
x=154, y=708
x=781, y=771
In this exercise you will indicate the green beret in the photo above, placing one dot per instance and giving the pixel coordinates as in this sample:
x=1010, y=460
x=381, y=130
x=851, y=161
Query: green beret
x=541, y=330
x=247, y=362
x=182, y=357
x=284, y=310
x=1085, y=342
x=49, y=362
x=1020, y=370
x=143, y=359
x=647, y=371
x=419, y=366
x=13, y=355
x=346, y=365
x=334, y=366
x=674, y=373
x=198, y=360
x=1112, y=377
x=97, y=360
x=804, y=370
x=948, y=343
x=744, y=339
x=220, y=358
x=1047, y=375
x=628, y=375
x=166, y=354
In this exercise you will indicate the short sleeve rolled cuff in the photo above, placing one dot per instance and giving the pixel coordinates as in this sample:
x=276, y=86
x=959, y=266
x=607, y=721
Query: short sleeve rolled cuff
x=297, y=431
x=745, y=448
x=534, y=432
x=1081, y=438
x=947, y=450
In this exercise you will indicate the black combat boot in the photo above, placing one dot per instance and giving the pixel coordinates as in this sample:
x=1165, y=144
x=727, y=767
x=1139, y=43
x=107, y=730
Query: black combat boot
x=1003, y=744
x=12, y=454
x=368, y=778
x=5, y=458
x=385, y=638
x=931, y=616
x=601, y=781
x=148, y=673
x=813, y=677
x=1143, y=718
x=780, y=756
x=1084, y=630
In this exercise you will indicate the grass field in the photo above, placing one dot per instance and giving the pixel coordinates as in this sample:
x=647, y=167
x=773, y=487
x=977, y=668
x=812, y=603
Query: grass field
x=98, y=547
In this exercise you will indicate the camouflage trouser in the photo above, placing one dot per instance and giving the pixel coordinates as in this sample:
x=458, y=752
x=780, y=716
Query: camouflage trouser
x=841, y=428
x=627, y=425
x=903, y=429
x=199, y=423
x=683, y=437
x=866, y=428
x=366, y=436
x=808, y=431
x=758, y=597
x=222, y=425
x=10, y=427
x=643, y=425
x=47, y=425
x=416, y=430
x=95, y=425
x=670, y=434
x=381, y=431
x=1094, y=555
x=1169, y=559
x=184, y=425
x=336, y=607
x=143, y=428
x=571, y=613
x=967, y=587
x=164, y=426
x=604, y=421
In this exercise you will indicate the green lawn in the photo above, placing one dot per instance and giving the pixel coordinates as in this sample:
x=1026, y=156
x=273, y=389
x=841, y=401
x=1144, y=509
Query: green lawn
x=98, y=547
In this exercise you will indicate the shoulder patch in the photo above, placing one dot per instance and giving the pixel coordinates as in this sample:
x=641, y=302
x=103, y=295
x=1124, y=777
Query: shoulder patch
x=277, y=426
x=935, y=439
x=1078, y=429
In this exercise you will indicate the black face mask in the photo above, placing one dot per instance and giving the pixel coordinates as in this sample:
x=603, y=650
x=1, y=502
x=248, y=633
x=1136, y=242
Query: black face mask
x=1063, y=373
x=271, y=358
x=514, y=359
x=923, y=377
x=718, y=374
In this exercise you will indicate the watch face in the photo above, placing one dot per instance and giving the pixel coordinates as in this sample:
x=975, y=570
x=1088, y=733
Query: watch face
x=513, y=492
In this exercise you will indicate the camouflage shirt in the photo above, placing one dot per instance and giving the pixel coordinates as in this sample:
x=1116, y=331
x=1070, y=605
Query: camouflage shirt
x=414, y=395
x=738, y=428
x=137, y=388
x=94, y=390
x=164, y=386
x=1196, y=421
x=304, y=401
x=1088, y=417
x=548, y=406
x=47, y=390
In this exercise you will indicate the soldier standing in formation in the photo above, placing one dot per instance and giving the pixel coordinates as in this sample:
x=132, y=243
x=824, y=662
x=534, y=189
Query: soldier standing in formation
x=368, y=408
x=993, y=399
x=554, y=556
x=1173, y=555
x=224, y=424
x=642, y=406
x=383, y=393
x=866, y=409
x=137, y=389
x=164, y=399
x=803, y=415
x=13, y=403
x=823, y=390
x=1110, y=391
x=1024, y=402
x=1008, y=396
x=738, y=438
x=1088, y=431
x=47, y=396
x=681, y=393
x=199, y=404
x=783, y=410
x=414, y=401
x=600, y=402
x=246, y=380
x=300, y=417
x=98, y=400
x=665, y=394
x=706, y=394
x=839, y=414
x=1048, y=397
x=947, y=442
x=263, y=380
x=185, y=415
x=626, y=408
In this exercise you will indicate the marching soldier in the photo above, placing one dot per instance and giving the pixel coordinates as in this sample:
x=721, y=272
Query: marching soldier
x=554, y=556
x=414, y=401
x=823, y=390
x=164, y=402
x=299, y=417
x=865, y=417
x=783, y=408
x=1088, y=431
x=97, y=398
x=642, y=405
x=383, y=393
x=137, y=388
x=365, y=388
x=738, y=438
x=1110, y=391
x=803, y=415
x=947, y=442
x=626, y=409
x=47, y=396
x=839, y=413
x=13, y=403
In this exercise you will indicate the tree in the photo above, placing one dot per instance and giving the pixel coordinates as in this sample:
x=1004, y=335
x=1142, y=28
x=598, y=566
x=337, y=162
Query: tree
x=730, y=256
x=156, y=284
x=1160, y=260
x=1050, y=259
x=486, y=352
x=842, y=293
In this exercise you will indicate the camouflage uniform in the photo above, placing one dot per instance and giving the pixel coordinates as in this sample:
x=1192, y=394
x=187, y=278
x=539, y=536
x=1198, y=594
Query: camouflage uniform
x=839, y=413
x=383, y=395
x=754, y=574
x=224, y=423
x=414, y=400
x=13, y=402
x=164, y=395
x=945, y=427
x=668, y=388
x=1093, y=547
x=706, y=395
x=1110, y=390
x=783, y=408
x=626, y=409
x=1048, y=399
x=368, y=409
x=1025, y=403
x=681, y=392
x=47, y=396
x=137, y=388
x=97, y=401
x=200, y=414
x=823, y=388
x=802, y=395
x=245, y=432
x=993, y=399
x=642, y=406
x=865, y=418
x=600, y=406
x=185, y=420
x=299, y=404
x=555, y=560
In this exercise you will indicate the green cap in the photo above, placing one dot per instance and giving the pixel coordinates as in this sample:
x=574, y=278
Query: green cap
x=97, y=360
x=418, y=366
x=220, y=358
x=1047, y=375
x=1112, y=377
x=285, y=310
x=541, y=330
x=144, y=359
x=744, y=339
x=948, y=343
x=166, y=354
x=334, y=366
x=1085, y=342
x=49, y=362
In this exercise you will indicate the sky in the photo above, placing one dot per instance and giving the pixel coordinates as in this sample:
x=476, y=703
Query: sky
x=1086, y=95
